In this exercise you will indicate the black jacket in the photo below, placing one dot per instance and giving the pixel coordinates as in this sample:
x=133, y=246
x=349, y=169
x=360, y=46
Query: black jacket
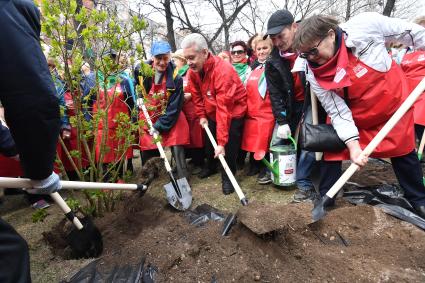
x=280, y=84
x=7, y=144
x=27, y=91
x=174, y=85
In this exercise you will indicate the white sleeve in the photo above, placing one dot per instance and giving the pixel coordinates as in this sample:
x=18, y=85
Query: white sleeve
x=375, y=26
x=337, y=110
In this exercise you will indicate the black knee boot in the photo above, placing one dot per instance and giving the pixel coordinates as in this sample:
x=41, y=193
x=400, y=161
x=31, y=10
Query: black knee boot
x=179, y=157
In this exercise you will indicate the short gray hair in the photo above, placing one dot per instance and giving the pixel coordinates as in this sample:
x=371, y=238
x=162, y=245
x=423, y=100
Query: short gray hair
x=194, y=39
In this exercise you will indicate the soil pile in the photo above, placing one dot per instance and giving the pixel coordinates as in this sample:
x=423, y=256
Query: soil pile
x=353, y=243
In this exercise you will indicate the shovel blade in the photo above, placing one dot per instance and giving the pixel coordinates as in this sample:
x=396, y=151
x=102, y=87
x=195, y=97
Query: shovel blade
x=87, y=242
x=180, y=203
x=319, y=210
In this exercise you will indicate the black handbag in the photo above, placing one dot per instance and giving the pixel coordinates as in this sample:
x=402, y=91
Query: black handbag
x=321, y=137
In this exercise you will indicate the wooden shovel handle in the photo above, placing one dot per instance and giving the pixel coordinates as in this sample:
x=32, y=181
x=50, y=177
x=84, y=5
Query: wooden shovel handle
x=315, y=118
x=404, y=107
x=225, y=166
x=67, y=210
x=6, y=182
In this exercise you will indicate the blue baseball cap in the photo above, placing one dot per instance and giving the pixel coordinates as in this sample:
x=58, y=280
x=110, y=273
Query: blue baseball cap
x=160, y=47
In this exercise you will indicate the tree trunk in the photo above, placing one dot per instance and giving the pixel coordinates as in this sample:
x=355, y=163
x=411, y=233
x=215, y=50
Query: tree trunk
x=389, y=7
x=226, y=38
x=170, y=28
x=348, y=10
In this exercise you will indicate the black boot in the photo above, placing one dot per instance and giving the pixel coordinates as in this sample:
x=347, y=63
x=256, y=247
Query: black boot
x=179, y=157
x=209, y=168
x=226, y=184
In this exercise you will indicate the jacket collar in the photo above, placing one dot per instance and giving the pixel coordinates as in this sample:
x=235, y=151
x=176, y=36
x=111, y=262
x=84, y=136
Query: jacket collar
x=209, y=63
x=169, y=75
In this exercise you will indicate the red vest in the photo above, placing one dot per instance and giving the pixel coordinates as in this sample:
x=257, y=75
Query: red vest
x=10, y=167
x=373, y=98
x=259, y=120
x=116, y=105
x=195, y=130
x=71, y=143
x=298, y=84
x=413, y=65
x=156, y=103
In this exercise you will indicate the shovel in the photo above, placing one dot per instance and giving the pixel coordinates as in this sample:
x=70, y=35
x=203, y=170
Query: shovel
x=315, y=118
x=319, y=211
x=231, y=218
x=179, y=194
x=86, y=240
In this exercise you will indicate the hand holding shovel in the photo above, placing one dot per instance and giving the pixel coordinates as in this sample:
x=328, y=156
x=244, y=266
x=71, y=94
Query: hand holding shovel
x=319, y=208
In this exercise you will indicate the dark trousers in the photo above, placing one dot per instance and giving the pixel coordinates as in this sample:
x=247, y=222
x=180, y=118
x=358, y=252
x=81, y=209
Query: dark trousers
x=197, y=155
x=14, y=256
x=406, y=168
x=419, y=131
x=145, y=155
x=232, y=147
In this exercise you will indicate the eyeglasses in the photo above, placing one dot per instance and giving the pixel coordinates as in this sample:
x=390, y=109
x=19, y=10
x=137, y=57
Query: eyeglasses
x=239, y=52
x=313, y=51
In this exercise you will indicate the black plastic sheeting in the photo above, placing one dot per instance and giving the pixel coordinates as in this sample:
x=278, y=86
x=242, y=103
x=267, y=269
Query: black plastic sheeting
x=389, y=198
x=202, y=214
x=137, y=273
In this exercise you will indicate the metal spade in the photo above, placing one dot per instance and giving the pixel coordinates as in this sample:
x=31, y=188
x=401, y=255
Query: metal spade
x=179, y=193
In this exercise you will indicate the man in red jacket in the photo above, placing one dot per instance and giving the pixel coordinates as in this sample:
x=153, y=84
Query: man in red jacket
x=220, y=100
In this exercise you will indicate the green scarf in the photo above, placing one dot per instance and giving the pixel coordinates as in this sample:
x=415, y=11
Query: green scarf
x=183, y=70
x=110, y=81
x=242, y=69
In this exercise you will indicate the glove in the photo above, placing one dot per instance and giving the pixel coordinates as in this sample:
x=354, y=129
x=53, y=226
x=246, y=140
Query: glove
x=283, y=131
x=153, y=131
x=46, y=186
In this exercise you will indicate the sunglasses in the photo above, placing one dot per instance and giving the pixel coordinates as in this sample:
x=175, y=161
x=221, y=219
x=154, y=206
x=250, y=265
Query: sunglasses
x=239, y=52
x=313, y=51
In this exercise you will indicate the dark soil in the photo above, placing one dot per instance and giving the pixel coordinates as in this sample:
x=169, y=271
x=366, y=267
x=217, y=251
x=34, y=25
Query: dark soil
x=351, y=244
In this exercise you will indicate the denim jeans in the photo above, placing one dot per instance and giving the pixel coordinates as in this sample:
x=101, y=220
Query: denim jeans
x=305, y=164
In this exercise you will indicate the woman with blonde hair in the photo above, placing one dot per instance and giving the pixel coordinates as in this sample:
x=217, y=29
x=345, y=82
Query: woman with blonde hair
x=259, y=120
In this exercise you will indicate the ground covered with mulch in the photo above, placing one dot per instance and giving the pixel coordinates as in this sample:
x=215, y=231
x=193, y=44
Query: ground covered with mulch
x=352, y=243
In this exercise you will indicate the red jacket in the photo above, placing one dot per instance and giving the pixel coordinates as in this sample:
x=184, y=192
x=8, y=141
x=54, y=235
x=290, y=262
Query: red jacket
x=218, y=95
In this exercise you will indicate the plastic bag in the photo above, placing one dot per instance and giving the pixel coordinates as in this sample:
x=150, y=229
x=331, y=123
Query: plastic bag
x=202, y=214
x=389, y=199
x=92, y=273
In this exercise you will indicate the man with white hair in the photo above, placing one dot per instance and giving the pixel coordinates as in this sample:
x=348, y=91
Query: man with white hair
x=220, y=101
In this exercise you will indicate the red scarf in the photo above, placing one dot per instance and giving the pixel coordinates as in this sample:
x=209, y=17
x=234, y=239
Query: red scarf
x=291, y=57
x=334, y=74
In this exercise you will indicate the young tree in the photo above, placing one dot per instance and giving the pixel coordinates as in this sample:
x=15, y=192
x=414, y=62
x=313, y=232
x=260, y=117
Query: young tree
x=77, y=35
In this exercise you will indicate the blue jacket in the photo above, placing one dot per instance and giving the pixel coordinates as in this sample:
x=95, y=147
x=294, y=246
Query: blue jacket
x=174, y=85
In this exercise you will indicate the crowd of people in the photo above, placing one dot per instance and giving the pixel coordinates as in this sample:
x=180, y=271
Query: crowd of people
x=252, y=97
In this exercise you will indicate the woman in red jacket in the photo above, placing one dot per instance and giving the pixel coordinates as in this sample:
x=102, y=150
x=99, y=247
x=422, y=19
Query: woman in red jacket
x=353, y=56
x=259, y=120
